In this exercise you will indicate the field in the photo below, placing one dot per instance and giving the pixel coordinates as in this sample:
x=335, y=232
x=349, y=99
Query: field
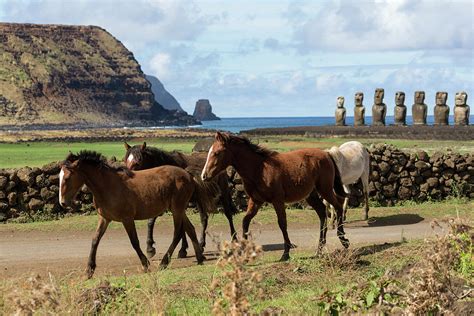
x=390, y=244
x=43, y=271
x=36, y=154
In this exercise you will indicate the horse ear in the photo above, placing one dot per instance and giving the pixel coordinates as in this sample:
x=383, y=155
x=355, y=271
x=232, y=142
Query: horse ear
x=127, y=146
x=143, y=146
x=220, y=137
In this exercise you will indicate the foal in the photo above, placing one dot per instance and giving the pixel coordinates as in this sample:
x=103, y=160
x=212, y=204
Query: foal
x=140, y=157
x=280, y=178
x=125, y=196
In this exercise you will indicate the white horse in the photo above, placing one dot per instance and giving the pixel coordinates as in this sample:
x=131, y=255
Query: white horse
x=353, y=161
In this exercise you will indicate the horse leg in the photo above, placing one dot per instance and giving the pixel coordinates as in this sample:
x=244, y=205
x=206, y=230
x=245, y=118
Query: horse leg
x=252, y=209
x=346, y=200
x=177, y=235
x=129, y=225
x=189, y=228
x=337, y=202
x=101, y=228
x=150, y=250
x=317, y=204
x=281, y=214
x=183, y=252
x=204, y=221
x=365, y=188
x=229, y=207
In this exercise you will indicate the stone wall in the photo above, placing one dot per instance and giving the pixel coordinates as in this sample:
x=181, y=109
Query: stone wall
x=395, y=176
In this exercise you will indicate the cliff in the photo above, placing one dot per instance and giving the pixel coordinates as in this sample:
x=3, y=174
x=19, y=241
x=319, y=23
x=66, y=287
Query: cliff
x=162, y=96
x=203, y=111
x=81, y=75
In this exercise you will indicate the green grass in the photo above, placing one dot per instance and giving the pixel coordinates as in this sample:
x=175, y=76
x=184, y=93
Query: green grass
x=266, y=215
x=37, y=154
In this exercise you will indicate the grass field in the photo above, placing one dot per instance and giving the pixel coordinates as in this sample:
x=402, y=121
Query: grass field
x=37, y=154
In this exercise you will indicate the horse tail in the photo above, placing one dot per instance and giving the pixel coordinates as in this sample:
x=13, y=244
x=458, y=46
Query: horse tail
x=338, y=187
x=206, y=195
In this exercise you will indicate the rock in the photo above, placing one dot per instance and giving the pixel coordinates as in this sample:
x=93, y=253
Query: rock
x=26, y=175
x=46, y=194
x=432, y=182
x=449, y=163
x=35, y=204
x=51, y=168
x=3, y=217
x=406, y=182
x=2, y=195
x=404, y=193
x=203, y=145
x=3, y=182
x=3, y=206
x=392, y=177
x=374, y=176
x=427, y=173
x=422, y=156
x=42, y=181
x=424, y=187
x=203, y=111
x=422, y=165
x=54, y=179
x=390, y=190
x=384, y=167
x=10, y=186
x=12, y=198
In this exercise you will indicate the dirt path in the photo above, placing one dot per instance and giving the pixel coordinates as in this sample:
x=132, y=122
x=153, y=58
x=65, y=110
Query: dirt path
x=66, y=252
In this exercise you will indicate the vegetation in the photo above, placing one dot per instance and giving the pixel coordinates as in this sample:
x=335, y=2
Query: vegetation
x=385, y=278
x=36, y=154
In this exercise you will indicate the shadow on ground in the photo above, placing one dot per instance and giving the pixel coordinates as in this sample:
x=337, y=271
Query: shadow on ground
x=393, y=220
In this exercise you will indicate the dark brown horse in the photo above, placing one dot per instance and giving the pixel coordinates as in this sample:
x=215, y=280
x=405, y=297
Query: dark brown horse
x=140, y=157
x=280, y=178
x=125, y=196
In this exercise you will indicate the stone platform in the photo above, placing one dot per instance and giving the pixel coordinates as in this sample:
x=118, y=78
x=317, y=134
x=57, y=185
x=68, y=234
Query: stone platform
x=382, y=132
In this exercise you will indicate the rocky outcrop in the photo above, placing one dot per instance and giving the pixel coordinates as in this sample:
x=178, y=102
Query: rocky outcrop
x=162, y=96
x=59, y=74
x=203, y=111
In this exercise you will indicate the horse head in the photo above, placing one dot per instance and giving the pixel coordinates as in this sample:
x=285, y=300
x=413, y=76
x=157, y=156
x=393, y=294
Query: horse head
x=135, y=156
x=70, y=180
x=218, y=157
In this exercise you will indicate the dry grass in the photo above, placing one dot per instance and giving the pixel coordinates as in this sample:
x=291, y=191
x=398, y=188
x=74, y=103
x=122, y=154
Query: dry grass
x=232, y=289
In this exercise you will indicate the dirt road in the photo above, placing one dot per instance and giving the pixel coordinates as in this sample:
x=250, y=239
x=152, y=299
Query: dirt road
x=66, y=252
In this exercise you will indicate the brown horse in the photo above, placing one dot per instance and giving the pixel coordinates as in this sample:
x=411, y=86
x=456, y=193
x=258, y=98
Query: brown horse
x=125, y=196
x=140, y=157
x=280, y=178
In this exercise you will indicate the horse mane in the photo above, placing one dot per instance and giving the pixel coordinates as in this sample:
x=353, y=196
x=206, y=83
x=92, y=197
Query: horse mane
x=96, y=159
x=234, y=139
x=173, y=158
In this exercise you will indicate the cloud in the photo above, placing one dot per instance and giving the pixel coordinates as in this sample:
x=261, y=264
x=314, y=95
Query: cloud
x=137, y=23
x=159, y=64
x=354, y=26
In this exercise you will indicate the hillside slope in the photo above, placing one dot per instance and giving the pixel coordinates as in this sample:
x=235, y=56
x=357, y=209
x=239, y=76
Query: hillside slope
x=58, y=74
x=162, y=96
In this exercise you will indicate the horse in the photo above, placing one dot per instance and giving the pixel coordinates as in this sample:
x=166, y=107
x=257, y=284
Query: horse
x=353, y=162
x=140, y=157
x=279, y=178
x=125, y=196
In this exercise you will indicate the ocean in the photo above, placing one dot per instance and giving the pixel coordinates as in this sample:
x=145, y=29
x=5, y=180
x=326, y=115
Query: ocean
x=237, y=124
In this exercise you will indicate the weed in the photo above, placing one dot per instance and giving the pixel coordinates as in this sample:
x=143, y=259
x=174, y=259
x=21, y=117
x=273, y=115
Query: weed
x=237, y=281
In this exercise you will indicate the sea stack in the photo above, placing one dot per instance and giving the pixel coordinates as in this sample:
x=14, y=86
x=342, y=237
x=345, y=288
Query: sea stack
x=203, y=111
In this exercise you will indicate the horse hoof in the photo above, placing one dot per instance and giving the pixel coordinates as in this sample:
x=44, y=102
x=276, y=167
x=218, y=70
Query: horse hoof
x=202, y=244
x=293, y=246
x=345, y=242
x=151, y=252
x=89, y=274
x=163, y=266
x=285, y=257
x=182, y=254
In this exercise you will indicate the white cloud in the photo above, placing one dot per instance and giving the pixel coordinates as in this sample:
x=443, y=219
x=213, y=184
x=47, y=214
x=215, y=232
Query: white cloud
x=159, y=64
x=386, y=25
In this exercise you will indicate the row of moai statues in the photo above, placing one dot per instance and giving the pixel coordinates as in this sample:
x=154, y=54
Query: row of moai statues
x=419, y=109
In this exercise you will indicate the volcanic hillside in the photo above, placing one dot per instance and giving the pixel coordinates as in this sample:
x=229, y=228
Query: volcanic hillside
x=61, y=75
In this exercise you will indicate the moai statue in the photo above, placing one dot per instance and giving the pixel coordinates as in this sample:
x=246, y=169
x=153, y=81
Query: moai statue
x=441, y=110
x=419, y=110
x=461, y=109
x=359, y=109
x=340, y=112
x=400, y=111
x=379, y=109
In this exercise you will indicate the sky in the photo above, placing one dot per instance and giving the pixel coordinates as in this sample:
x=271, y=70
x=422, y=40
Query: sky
x=283, y=58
